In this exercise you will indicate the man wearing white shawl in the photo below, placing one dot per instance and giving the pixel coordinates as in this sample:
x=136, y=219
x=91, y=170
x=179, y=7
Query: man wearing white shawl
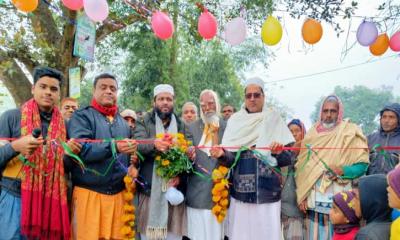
x=255, y=207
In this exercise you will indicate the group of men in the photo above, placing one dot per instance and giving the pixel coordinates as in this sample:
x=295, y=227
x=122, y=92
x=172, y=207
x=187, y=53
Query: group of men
x=251, y=142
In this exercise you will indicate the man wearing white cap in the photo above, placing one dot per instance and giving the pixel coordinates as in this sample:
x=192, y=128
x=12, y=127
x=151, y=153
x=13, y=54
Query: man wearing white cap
x=157, y=219
x=254, y=212
x=130, y=117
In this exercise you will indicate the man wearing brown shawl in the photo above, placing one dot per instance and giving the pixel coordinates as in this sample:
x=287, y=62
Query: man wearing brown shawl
x=328, y=171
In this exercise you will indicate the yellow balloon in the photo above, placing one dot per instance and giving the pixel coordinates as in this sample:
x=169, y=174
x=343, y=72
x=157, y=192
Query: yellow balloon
x=26, y=5
x=271, y=31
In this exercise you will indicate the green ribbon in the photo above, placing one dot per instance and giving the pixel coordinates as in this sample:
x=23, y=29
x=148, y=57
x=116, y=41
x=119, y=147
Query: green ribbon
x=26, y=162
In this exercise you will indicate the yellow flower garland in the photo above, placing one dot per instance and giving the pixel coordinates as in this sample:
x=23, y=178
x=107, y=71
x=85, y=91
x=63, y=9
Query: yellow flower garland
x=128, y=230
x=220, y=193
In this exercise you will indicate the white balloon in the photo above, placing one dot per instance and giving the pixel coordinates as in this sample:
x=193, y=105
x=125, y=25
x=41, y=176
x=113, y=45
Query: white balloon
x=173, y=196
x=235, y=31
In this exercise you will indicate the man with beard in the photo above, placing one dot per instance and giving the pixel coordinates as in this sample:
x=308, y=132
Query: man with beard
x=157, y=219
x=97, y=201
x=387, y=135
x=328, y=171
x=207, y=132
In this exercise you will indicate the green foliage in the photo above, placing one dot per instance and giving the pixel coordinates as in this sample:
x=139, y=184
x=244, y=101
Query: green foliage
x=361, y=105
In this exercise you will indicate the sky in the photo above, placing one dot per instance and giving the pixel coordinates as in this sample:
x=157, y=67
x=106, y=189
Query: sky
x=293, y=58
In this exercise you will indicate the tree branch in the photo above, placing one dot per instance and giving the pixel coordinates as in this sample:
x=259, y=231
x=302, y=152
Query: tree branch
x=112, y=26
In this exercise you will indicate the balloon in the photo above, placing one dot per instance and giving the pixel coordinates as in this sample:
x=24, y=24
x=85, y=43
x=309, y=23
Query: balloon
x=380, y=45
x=311, y=31
x=162, y=25
x=207, y=25
x=235, y=31
x=97, y=10
x=26, y=5
x=73, y=4
x=395, y=42
x=367, y=33
x=271, y=31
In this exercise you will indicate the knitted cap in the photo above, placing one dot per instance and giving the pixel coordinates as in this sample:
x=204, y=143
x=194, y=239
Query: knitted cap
x=345, y=201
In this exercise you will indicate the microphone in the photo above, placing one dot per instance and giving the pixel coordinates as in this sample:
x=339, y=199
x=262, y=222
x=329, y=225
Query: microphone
x=36, y=132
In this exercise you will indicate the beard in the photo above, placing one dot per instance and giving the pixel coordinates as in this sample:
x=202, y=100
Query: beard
x=164, y=115
x=329, y=124
x=210, y=118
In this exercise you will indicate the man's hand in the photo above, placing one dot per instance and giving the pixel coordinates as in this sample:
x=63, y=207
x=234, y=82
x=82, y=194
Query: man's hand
x=276, y=148
x=173, y=182
x=127, y=146
x=161, y=145
x=217, y=151
x=303, y=206
x=191, y=152
x=75, y=146
x=26, y=145
x=133, y=171
x=338, y=172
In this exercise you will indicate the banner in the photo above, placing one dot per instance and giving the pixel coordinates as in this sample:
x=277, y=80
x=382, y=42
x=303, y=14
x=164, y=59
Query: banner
x=75, y=82
x=85, y=37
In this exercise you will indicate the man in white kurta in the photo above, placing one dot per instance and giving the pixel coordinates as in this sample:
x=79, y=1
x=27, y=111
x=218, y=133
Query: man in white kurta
x=254, y=211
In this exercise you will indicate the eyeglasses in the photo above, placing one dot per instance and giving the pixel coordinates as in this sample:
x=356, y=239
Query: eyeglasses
x=254, y=95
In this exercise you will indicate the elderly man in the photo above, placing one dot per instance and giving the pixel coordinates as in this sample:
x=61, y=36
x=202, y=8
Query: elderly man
x=388, y=135
x=68, y=107
x=33, y=205
x=189, y=112
x=329, y=171
x=227, y=111
x=97, y=201
x=157, y=219
x=255, y=208
x=206, y=132
x=130, y=117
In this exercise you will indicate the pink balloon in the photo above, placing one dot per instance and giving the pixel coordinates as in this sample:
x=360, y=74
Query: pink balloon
x=97, y=10
x=394, y=42
x=73, y=4
x=162, y=25
x=207, y=25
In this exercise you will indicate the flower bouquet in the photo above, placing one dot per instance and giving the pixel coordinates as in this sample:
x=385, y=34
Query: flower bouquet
x=173, y=162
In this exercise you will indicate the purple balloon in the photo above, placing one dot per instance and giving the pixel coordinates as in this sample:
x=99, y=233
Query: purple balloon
x=367, y=33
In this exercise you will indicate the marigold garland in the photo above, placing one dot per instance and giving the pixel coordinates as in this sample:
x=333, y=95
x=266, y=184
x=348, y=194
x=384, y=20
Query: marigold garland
x=128, y=230
x=220, y=193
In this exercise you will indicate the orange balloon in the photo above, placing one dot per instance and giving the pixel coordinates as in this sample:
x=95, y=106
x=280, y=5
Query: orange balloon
x=380, y=45
x=311, y=31
x=26, y=5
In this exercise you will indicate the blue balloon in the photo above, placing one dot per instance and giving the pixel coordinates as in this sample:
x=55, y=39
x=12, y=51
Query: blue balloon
x=367, y=33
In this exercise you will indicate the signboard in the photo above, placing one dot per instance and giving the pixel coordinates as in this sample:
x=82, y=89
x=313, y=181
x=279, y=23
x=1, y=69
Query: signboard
x=75, y=82
x=85, y=37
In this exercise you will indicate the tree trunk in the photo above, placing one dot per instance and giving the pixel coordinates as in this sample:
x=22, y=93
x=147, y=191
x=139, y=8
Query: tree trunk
x=15, y=80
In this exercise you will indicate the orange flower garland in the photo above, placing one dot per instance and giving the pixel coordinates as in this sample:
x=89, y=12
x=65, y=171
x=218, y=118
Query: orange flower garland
x=128, y=230
x=220, y=193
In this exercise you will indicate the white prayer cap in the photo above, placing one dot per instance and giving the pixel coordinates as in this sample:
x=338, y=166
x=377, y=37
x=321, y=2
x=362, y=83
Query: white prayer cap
x=255, y=80
x=161, y=88
x=128, y=113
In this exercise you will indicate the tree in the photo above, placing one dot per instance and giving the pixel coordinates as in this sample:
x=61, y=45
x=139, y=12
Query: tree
x=361, y=105
x=45, y=37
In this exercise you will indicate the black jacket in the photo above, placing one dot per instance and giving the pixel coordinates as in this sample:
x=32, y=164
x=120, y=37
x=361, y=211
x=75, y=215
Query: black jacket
x=146, y=130
x=380, y=163
x=374, y=208
x=88, y=123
